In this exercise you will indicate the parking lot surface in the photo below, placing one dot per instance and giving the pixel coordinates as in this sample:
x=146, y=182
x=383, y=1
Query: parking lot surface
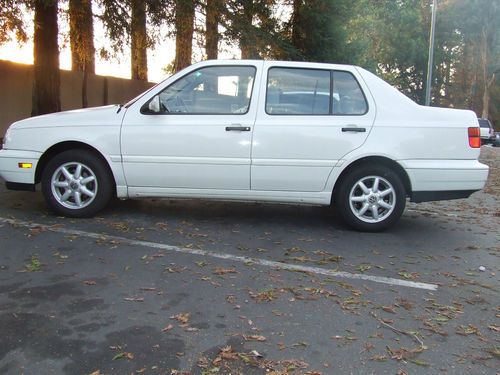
x=196, y=287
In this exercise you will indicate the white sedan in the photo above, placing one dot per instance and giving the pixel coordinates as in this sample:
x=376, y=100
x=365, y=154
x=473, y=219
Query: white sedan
x=288, y=132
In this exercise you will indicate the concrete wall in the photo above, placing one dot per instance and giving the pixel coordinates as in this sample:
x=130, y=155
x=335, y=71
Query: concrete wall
x=16, y=82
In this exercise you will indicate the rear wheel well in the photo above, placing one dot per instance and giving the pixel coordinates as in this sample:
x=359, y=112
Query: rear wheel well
x=65, y=146
x=376, y=160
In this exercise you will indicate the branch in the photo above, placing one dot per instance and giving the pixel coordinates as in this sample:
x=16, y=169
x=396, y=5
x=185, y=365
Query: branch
x=407, y=333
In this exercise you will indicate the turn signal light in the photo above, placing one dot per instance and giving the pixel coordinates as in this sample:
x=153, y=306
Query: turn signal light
x=475, y=137
x=25, y=165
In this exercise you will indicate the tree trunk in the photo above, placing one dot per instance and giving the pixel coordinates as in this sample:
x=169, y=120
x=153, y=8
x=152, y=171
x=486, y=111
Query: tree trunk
x=184, y=24
x=139, y=41
x=247, y=38
x=81, y=36
x=295, y=21
x=46, y=81
x=486, y=96
x=212, y=29
x=487, y=81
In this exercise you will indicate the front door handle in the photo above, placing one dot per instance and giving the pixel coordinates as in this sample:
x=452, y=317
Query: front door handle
x=354, y=129
x=238, y=128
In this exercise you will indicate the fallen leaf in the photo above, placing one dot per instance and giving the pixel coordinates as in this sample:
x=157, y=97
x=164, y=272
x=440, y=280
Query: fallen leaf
x=223, y=271
x=182, y=318
x=389, y=309
x=123, y=355
x=254, y=338
x=167, y=328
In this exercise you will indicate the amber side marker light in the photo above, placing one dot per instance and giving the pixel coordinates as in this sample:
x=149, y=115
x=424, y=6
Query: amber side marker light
x=25, y=165
x=474, y=137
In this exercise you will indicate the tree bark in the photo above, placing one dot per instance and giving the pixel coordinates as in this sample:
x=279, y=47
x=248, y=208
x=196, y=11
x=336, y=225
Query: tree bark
x=81, y=35
x=247, y=39
x=295, y=21
x=46, y=81
x=184, y=24
x=212, y=29
x=486, y=96
x=139, y=41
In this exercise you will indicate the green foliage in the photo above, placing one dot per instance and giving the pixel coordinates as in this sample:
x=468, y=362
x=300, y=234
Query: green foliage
x=318, y=31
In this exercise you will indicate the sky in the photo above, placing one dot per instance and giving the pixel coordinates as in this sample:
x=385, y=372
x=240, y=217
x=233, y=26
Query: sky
x=158, y=58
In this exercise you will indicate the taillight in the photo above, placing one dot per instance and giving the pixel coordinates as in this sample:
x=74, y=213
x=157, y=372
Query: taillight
x=475, y=137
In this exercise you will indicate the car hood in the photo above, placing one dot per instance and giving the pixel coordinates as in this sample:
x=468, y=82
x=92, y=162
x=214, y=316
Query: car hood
x=107, y=115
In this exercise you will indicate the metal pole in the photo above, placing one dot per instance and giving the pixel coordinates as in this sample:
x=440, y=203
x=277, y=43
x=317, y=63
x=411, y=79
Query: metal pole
x=430, y=65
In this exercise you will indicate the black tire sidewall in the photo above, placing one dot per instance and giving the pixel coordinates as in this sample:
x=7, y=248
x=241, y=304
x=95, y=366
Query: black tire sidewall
x=342, y=199
x=104, y=181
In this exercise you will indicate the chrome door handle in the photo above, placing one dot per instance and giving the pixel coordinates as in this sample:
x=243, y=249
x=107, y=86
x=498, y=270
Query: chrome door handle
x=238, y=128
x=354, y=129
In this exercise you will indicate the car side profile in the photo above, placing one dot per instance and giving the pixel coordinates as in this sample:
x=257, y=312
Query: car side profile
x=272, y=131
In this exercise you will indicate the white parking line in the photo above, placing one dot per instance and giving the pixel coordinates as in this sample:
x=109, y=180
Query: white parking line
x=225, y=256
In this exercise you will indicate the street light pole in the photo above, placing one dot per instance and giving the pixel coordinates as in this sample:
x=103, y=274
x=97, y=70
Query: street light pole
x=430, y=64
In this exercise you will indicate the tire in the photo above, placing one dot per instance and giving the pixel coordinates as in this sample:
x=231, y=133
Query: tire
x=358, y=201
x=76, y=183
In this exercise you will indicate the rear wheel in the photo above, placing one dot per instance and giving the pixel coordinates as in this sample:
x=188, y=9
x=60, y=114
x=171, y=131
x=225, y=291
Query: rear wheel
x=76, y=183
x=370, y=198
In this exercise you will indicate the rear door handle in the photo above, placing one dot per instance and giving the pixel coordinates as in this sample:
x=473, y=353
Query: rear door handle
x=354, y=129
x=238, y=128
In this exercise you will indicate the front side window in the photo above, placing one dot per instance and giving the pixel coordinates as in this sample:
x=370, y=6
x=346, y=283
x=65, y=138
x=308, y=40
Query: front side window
x=292, y=91
x=347, y=98
x=211, y=90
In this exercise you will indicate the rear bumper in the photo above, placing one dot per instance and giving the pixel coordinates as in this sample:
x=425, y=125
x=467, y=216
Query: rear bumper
x=9, y=166
x=428, y=196
x=445, y=179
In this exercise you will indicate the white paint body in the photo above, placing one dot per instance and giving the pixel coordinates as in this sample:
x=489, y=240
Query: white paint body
x=290, y=159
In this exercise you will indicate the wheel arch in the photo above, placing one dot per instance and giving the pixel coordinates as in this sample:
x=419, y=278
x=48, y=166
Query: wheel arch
x=65, y=146
x=375, y=160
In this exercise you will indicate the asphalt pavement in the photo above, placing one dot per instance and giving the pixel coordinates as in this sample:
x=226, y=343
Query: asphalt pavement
x=195, y=287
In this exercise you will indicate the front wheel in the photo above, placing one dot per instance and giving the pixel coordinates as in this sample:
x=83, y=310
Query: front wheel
x=370, y=198
x=76, y=183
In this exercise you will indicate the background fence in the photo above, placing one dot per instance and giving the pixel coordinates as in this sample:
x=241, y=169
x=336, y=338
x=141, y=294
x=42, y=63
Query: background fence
x=16, y=82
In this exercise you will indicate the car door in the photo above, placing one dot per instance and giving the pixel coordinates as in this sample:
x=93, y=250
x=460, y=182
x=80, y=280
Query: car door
x=194, y=133
x=311, y=117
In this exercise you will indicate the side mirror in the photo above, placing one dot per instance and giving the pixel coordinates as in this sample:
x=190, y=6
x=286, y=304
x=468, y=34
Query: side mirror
x=154, y=105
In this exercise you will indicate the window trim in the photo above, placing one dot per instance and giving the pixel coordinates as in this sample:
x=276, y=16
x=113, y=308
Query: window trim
x=145, y=107
x=330, y=105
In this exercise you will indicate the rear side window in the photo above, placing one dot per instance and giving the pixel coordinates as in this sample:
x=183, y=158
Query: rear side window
x=348, y=98
x=292, y=91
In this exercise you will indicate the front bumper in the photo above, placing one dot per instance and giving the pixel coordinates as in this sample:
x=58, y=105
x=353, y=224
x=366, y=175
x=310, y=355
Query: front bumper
x=9, y=166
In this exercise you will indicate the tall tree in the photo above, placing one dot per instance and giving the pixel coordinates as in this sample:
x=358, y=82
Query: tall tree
x=213, y=12
x=135, y=23
x=81, y=34
x=395, y=35
x=184, y=26
x=139, y=41
x=471, y=29
x=46, y=83
x=250, y=24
